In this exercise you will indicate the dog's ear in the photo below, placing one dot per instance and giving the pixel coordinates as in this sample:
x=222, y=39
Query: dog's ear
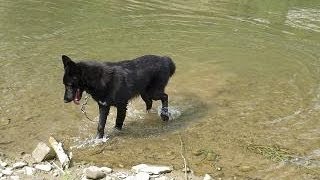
x=67, y=61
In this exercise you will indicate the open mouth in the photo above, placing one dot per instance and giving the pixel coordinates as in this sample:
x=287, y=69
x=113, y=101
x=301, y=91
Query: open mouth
x=77, y=97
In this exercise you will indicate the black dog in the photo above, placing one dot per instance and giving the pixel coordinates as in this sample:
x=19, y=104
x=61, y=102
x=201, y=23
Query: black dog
x=114, y=84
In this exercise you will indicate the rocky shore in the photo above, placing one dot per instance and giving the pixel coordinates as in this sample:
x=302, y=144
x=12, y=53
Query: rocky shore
x=46, y=163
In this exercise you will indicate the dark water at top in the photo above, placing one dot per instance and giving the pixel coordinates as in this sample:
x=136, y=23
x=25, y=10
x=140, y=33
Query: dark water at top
x=247, y=76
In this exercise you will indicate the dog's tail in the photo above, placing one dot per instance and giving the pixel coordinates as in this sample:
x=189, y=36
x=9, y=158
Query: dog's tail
x=172, y=66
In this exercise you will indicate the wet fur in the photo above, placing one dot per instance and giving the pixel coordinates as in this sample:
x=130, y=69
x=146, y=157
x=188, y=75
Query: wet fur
x=115, y=83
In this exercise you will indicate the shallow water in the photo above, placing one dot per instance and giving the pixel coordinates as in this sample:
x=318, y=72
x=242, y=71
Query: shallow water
x=247, y=74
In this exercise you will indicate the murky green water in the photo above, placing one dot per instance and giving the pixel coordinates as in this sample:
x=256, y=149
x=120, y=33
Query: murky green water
x=247, y=76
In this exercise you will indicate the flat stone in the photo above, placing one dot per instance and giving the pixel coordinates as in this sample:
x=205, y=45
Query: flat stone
x=106, y=170
x=151, y=169
x=44, y=167
x=29, y=171
x=19, y=165
x=94, y=172
x=41, y=152
x=7, y=172
x=207, y=177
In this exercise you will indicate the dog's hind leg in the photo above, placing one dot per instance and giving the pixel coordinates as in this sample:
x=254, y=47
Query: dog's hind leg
x=146, y=98
x=103, y=114
x=121, y=115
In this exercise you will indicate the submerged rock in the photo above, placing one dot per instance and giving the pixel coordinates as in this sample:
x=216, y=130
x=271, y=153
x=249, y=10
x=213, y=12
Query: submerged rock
x=94, y=172
x=151, y=169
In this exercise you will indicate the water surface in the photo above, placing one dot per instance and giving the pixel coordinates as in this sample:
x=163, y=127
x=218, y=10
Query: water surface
x=247, y=81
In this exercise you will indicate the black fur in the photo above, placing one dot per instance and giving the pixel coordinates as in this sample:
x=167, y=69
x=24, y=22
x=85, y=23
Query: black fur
x=115, y=83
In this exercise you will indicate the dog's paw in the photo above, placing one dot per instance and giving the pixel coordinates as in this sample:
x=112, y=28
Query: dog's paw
x=164, y=117
x=99, y=136
x=118, y=127
x=164, y=114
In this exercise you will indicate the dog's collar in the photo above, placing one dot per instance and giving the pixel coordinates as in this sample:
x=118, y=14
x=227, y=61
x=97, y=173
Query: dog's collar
x=102, y=103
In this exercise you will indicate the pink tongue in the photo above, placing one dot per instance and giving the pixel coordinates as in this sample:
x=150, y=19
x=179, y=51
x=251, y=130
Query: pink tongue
x=77, y=97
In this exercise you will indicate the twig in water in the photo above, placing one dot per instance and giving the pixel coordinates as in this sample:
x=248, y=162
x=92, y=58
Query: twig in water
x=83, y=108
x=184, y=159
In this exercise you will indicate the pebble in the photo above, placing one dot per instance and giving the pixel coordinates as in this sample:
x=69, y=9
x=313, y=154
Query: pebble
x=29, y=170
x=44, y=167
x=94, y=172
x=106, y=170
x=7, y=172
x=207, y=177
x=19, y=165
x=151, y=169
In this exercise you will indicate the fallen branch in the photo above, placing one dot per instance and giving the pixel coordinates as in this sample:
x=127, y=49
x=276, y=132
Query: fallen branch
x=184, y=159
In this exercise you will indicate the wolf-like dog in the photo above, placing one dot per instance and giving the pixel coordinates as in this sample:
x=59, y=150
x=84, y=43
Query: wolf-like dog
x=115, y=83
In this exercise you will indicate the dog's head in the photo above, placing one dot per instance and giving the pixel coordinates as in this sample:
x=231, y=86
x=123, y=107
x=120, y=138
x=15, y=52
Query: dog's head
x=72, y=81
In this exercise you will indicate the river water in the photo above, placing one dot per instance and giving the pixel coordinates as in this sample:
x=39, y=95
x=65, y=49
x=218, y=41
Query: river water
x=246, y=93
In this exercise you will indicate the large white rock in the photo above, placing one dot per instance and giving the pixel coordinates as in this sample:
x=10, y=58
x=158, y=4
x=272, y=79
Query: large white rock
x=94, y=172
x=19, y=165
x=41, y=152
x=207, y=177
x=44, y=167
x=151, y=169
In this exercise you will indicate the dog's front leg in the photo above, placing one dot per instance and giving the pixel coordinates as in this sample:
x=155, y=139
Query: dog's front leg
x=103, y=114
x=121, y=115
